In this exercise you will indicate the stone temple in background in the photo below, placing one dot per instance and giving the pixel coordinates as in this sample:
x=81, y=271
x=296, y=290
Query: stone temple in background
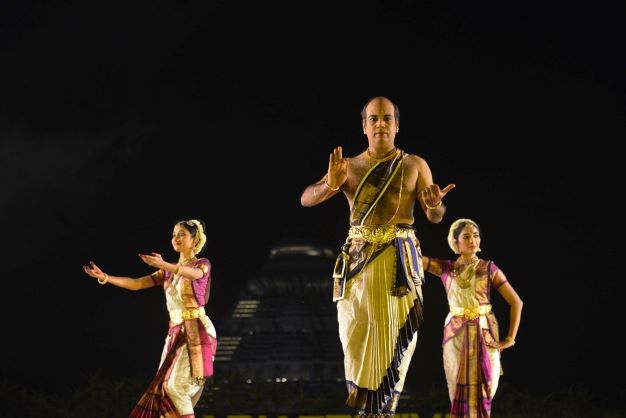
x=278, y=348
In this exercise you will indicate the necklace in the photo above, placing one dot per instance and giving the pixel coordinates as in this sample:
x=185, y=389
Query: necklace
x=383, y=158
x=465, y=272
x=465, y=263
x=183, y=263
x=186, y=260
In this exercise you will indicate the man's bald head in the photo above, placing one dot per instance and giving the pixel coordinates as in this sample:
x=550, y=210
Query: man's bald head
x=396, y=110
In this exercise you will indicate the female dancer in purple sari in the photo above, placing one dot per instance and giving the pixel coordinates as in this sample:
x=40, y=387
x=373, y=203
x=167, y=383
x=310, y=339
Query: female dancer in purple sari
x=191, y=342
x=471, y=344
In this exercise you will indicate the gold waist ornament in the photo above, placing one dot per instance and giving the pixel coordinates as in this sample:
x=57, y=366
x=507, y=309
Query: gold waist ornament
x=470, y=313
x=380, y=234
x=177, y=316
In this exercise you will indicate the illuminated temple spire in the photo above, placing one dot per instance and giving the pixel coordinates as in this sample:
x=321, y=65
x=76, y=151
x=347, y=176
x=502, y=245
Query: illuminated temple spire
x=280, y=338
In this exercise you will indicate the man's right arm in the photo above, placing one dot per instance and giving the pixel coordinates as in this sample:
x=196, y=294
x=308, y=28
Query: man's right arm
x=317, y=193
x=330, y=184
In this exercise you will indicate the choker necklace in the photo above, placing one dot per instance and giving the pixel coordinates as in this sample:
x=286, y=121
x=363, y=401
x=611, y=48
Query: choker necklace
x=186, y=261
x=384, y=157
x=459, y=262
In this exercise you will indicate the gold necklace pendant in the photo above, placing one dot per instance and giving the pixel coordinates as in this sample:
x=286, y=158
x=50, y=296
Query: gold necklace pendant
x=464, y=276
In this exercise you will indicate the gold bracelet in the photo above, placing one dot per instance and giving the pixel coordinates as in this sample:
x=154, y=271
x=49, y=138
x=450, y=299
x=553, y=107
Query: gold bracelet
x=177, y=271
x=328, y=185
x=432, y=207
x=509, y=338
x=105, y=280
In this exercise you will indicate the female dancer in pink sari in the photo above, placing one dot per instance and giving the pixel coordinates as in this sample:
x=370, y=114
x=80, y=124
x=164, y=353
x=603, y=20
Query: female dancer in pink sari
x=191, y=341
x=471, y=344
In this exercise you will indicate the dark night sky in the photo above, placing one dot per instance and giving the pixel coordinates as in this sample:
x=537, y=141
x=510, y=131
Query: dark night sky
x=118, y=120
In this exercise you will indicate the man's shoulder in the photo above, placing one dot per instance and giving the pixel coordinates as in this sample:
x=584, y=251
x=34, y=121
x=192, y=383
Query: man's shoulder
x=414, y=158
x=407, y=154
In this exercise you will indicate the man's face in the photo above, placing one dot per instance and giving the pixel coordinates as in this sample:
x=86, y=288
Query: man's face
x=380, y=124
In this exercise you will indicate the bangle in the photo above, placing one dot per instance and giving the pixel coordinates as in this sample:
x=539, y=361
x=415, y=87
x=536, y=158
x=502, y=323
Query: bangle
x=177, y=271
x=105, y=280
x=432, y=207
x=328, y=185
x=509, y=338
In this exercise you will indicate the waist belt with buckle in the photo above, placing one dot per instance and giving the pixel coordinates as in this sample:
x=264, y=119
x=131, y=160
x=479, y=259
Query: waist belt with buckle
x=177, y=316
x=470, y=313
x=380, y=234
